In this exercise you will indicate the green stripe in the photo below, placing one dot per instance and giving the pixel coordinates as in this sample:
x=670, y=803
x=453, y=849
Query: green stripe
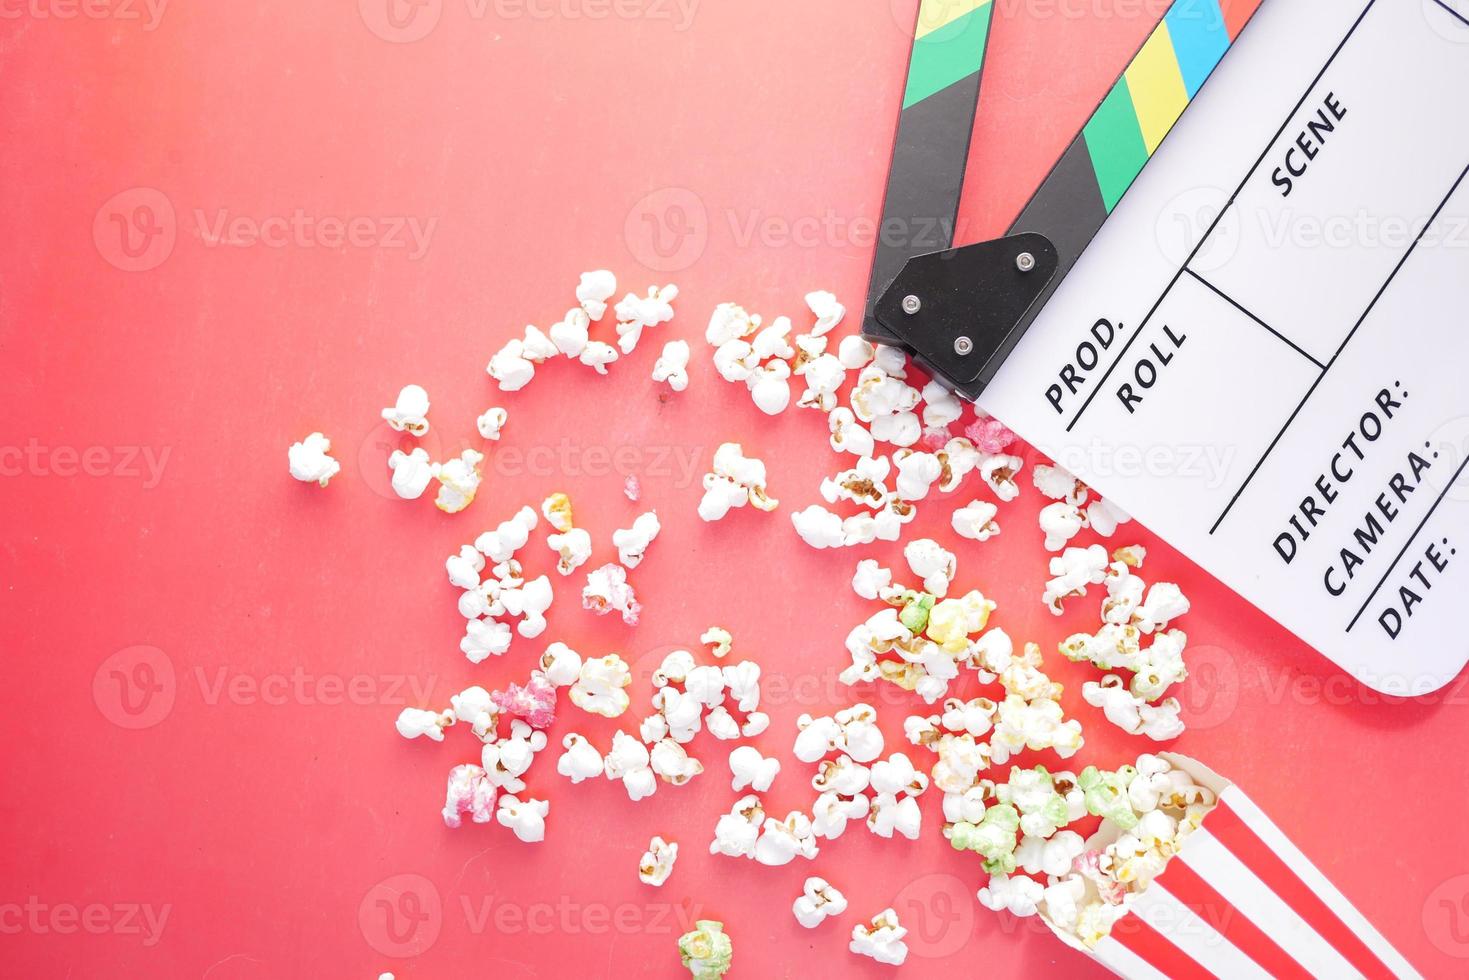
x=947, y=55
x=1115, y=142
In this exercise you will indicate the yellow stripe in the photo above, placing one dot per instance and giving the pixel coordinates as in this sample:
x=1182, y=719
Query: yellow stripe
x=1158, y=94
x=933, y=14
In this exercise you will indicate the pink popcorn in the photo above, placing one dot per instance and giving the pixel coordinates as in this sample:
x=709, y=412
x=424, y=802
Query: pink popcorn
x=934, y=438
x=1089, y=866
x=632, y=487
x=535, y=702
x=470, y=791
x=989, y=435
x=607, y=590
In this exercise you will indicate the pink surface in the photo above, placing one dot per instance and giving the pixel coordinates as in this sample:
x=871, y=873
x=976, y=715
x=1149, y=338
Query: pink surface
x=270, y=806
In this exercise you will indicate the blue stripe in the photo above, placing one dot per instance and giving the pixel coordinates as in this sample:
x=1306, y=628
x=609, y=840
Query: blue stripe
x=1199, y=39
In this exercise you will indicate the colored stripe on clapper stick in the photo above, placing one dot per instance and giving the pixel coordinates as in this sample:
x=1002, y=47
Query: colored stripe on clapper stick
x=931, y=147
x=1130, y=124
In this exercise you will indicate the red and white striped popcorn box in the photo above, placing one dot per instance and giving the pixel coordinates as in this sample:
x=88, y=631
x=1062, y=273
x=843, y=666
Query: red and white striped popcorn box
x=1240, y=900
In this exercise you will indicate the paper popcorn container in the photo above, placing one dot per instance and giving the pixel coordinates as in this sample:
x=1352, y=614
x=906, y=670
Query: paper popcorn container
x=1240, y=900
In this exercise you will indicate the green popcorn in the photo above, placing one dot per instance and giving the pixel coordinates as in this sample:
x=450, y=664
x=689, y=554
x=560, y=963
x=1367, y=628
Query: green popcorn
x=706, y=951
x=1106, y=794
x=993, y=838
x=916, y=607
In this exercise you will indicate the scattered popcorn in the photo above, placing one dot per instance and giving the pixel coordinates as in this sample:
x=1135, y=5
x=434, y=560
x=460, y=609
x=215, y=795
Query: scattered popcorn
x=730, y=322
x=931, y=562
x=847, y=434
x=881, y=939
x=891, y=814
x=870, y=579
x=917, y=472
x=501, y=544
x=819, y=901
x=413, y=722
x=632, y=488
x=1071, y=572
x=490, y=423
x=469, y=791
x=635, y=313
x=535, y=702
x=529, y=602
x=855, y=352
x=751, y=769
x=770, y=387
x=782, y=841
x=1057, y=484
x=574, y=549
x=737, y=831
x=629, y=761
x=1105, y=517
x=310, y=462
x=828, y=312
x=597, y=355
x=999, y=472
x=557, y=510
x=572, y=333
x=599, y=687
x=672, y=762
x=607, y=590
x=412, y=472
x=976, y=521
x=527, y=819
x=1131, y=713
x=735, y=480
x=464, y=568
x=510, y=368
x=410, y=413
x=706, y=952
x=657, y=862
x=594, y=290
x=459, y=479
x=1018, y=896
x=941, y=407
x=632, y=542
x=580, y=760
x=672, y=365
x=720, y=639
x=1061, y=522
x=819, y=527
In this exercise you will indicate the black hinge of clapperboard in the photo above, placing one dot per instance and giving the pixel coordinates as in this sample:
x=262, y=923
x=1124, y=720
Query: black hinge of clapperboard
x=961, y=311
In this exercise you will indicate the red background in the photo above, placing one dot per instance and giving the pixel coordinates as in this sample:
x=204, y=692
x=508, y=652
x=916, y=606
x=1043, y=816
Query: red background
x=265, y=813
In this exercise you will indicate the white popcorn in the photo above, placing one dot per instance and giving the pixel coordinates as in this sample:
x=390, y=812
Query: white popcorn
x=1160, y=666
x=917, y=472
x=681, y=713
x=976, y=521
x=492, y=422
x=474, y=707
x=751, y=769
x=892, y=360
x=819, y=527
x=653, y=728
x=842, y=776
x=556, y=509
x=459, y=480
x=735, y=360
x=1159, y=722
x=1061, y=522
x=607, y=591
x=672, y=763
x=828, y=312
x=895, y=775
x=941, y=407
x=632, y=542
x=816, y=737
x=536, y=346
x=580, y=760
x=1071, y=572
x=507, y=759
x=854, y=352
x=735, y=480
x=674, y=669
x=599, y=687
x=1017, y=895
x=721, y=724
x=410, y=413
x=594, y=290
x=574, y=548
x=509, y=367
x=931, y=562
x=881, y=939
x=1053, y=856
x=743, y=681
x=901, y=429
x=464, y=568
x=998, y=472
x=656, y=863
x=571, y=334
x=501, y=544
x=862, y=484
x=527, y=819
x=413, y=722
x=755, y=723
x=736, y=833
x=1105, y=517
x=824, y=377
x=770, y=387
x=628, y=761
x=720, y=639
x=861, y=737
x=672, y=365
x=819, y=901
x=870, y=579
x=483, y=638
x=412, y=472
x=774, y=341
x=782, y=841
x=706, y=684
x=309, y=460
x=1057, y=484
x=832, y=812
x=598, y=355
x=890, y=814
x=966, y=806
x=1164, y=603
x=847, y=434
x=729, y=322
x=530, y=602
x=635, y=313
x=879, y=394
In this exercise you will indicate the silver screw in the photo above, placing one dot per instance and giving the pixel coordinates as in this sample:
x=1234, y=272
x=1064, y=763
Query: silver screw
x=1025, y=262
x=963, y=345
x=911, y=304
